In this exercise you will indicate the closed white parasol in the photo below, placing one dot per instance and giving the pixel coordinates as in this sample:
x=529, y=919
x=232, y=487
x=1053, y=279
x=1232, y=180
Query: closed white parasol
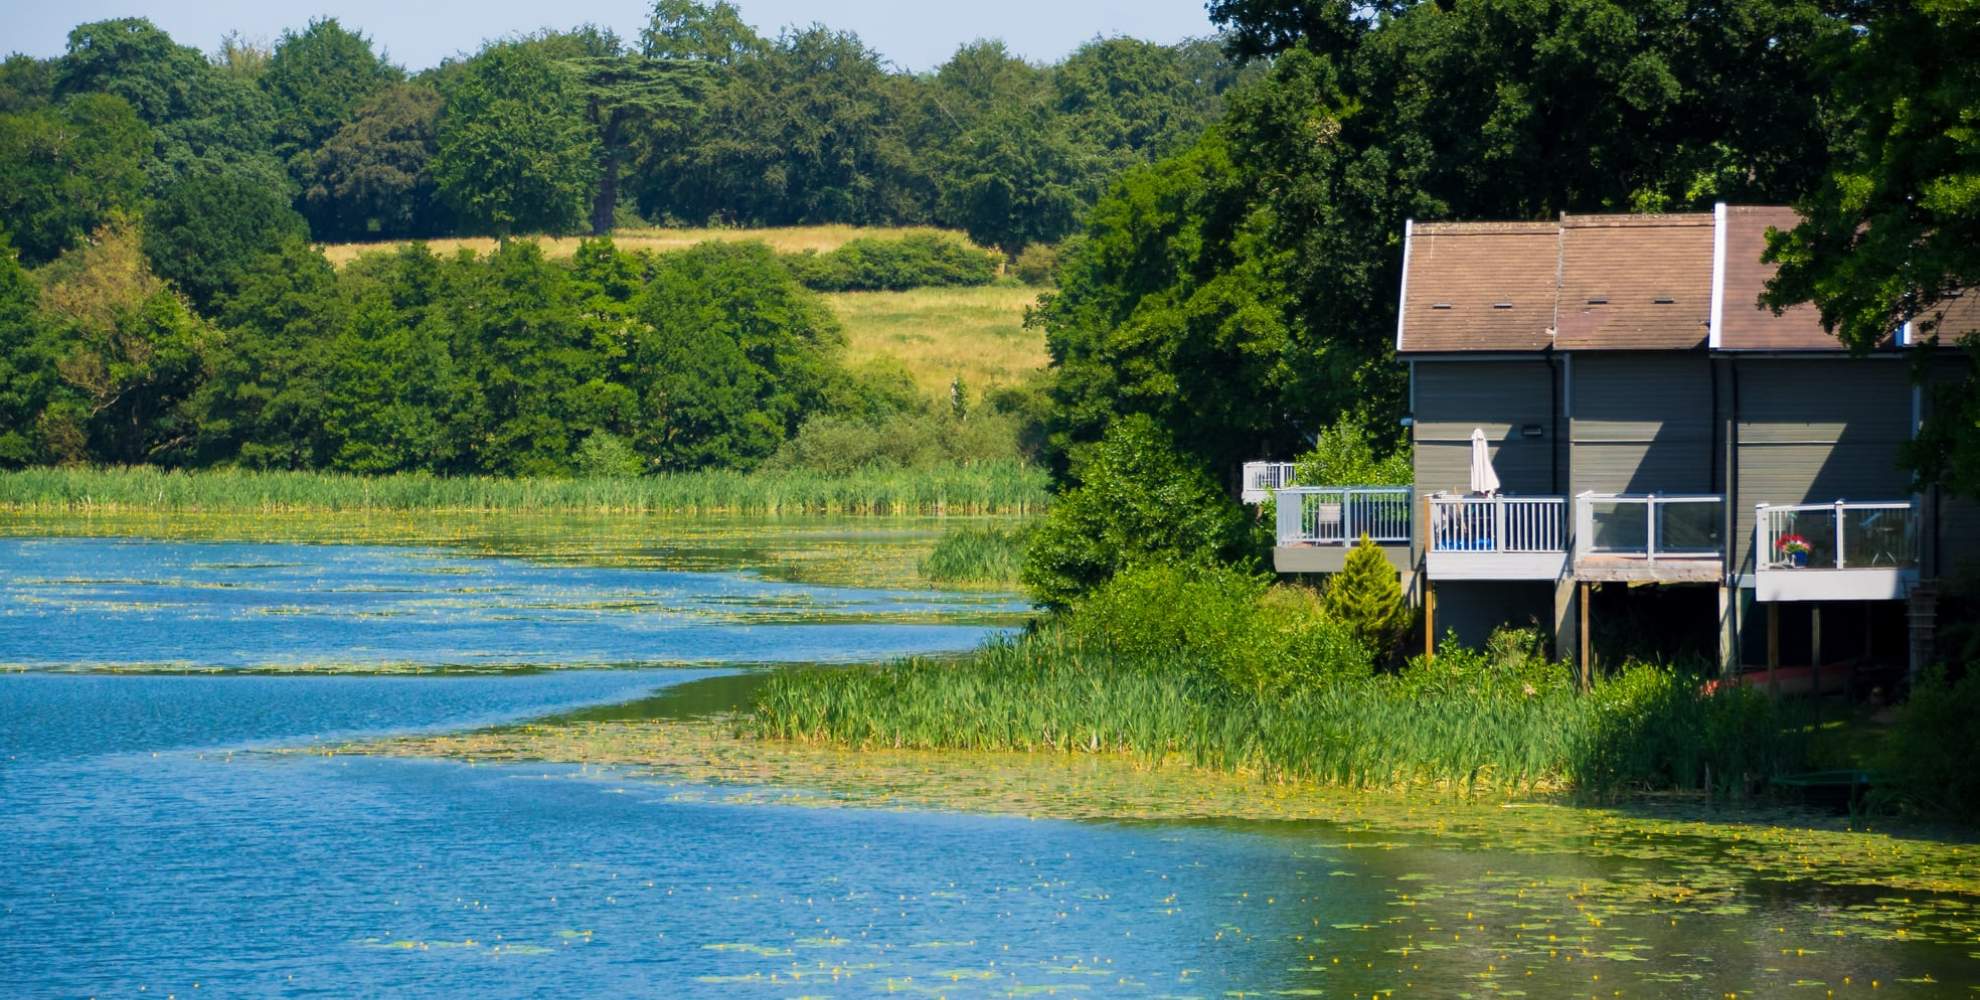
x=1484, y=479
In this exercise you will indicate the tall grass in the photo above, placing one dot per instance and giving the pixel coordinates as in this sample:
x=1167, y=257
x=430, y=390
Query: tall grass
x=988, y=488
x=940, y=333
x=1050, y=692
x=976, y=555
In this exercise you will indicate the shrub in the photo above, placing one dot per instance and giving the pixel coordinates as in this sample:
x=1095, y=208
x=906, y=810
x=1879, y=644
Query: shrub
x=604, y=455
x=1225, y=624
x=1366, y=596
x=1343, y=455
x=1930, y=753
x=1139, y=501
x=839, y=444
x=1038, y=264
x=919, y=260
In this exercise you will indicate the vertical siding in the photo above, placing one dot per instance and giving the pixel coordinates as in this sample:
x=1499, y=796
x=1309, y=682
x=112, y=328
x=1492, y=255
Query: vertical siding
x=1641, y=423
x=1502, y=397
x=1818, y=430
x=1959, y=517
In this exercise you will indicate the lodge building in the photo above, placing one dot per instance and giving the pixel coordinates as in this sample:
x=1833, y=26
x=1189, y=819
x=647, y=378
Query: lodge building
x=1657, y=436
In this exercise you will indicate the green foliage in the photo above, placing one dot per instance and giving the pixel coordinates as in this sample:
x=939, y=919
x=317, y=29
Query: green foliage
x=1892, y=231
x=917, y=260
x=1343, y=455
x=983, y=555
x=373, y=177
x=315, y=79
x=204, y=232
x=1017, y=178
x=26, y=370
x=261, y=402
x=732, y=356
x=1929, y=756
x=1138, y=501
x=1226, y=625
x=1037, y=265
x=64, y=170
x=514, y=149
x=204, y=120
x=1367, y=597
x=605, y=455
x=905, y=440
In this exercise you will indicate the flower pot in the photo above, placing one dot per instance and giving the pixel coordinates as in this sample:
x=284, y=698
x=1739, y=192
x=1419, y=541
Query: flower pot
x=1797, y=559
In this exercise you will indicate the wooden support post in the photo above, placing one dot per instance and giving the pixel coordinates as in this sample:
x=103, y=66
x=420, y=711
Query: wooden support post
x=1587, y=668
x=1774, y=647
x=1815, y=641
x=1429, y=620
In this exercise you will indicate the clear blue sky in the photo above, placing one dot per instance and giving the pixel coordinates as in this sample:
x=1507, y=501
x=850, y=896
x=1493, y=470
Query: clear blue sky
x=914, y=34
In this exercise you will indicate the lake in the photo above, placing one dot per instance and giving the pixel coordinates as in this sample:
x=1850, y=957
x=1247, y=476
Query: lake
x=159, y=845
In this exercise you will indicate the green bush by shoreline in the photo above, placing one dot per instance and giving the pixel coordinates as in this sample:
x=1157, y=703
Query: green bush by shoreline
x=988, y=488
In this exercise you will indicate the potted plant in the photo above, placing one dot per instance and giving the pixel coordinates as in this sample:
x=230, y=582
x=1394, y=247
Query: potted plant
x=1792, y=549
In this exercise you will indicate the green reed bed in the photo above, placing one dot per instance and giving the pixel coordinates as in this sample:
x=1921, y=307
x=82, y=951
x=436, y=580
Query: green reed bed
x=1456, y=728
x=970, y=554
x=988, y=488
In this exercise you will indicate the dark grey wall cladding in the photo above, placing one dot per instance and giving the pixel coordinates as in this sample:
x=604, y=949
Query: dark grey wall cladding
x=1640, y=423
x=1502, y=397
x=1819, y=430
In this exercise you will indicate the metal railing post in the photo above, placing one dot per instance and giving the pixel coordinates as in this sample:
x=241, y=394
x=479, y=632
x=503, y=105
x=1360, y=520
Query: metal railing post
x=1650, y=528
x=1839, y=534
x=1499, y=525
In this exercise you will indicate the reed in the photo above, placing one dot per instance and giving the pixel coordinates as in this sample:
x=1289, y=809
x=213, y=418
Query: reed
x=971, y=554
x=1050, y=692
x=986, y=488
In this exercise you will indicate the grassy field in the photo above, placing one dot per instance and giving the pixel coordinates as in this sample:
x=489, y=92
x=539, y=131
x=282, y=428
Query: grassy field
x=939, y=333
x=788, y=239
x=992, y=488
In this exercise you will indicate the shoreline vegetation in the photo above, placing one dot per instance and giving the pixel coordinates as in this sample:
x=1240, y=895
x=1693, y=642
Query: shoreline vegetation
x=997, y=487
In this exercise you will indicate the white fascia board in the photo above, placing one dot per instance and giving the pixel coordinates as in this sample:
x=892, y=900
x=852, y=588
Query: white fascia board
x=1402, y=296
x=1718, y=321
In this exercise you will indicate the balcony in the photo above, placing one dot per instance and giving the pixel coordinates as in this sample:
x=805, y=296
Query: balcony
x=1497, y=538
x=1657, y=538
x=1318, y=524
x=1261, y=478
x=1839, y=551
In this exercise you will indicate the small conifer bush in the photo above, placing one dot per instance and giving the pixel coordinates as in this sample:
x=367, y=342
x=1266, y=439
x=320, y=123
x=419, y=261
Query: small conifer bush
x=1367, y=597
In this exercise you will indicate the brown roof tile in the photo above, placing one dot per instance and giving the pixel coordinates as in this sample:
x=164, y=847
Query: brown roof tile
x=1478, y=286
x=1744, y=324
x=1634, y=282
x=1953, y=318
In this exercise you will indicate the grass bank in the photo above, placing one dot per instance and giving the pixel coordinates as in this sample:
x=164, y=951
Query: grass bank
x=1463, y=722
x=989, y=488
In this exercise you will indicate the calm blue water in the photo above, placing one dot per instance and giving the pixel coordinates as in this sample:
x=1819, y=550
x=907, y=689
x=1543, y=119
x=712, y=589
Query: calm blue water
x=150, y=850
x=94, y=601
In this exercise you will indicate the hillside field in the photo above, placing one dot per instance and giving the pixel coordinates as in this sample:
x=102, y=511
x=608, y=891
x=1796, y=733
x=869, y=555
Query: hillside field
x=788, y=239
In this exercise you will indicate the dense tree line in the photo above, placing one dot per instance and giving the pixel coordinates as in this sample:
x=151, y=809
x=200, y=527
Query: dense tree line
x=700, y=120
x=508, y=363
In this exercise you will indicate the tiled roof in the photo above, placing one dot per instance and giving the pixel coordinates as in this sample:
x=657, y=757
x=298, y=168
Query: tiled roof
x=1612, y=282
x=1634, y=282
x=1744, y=324
x=1479, y=286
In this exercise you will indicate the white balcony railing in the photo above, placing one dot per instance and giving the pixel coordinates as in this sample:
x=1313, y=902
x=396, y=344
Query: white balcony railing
x=1261, y=478
x=1340, y=515
x=1839, y=535
x=1649, y=526
x=1498, y=524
